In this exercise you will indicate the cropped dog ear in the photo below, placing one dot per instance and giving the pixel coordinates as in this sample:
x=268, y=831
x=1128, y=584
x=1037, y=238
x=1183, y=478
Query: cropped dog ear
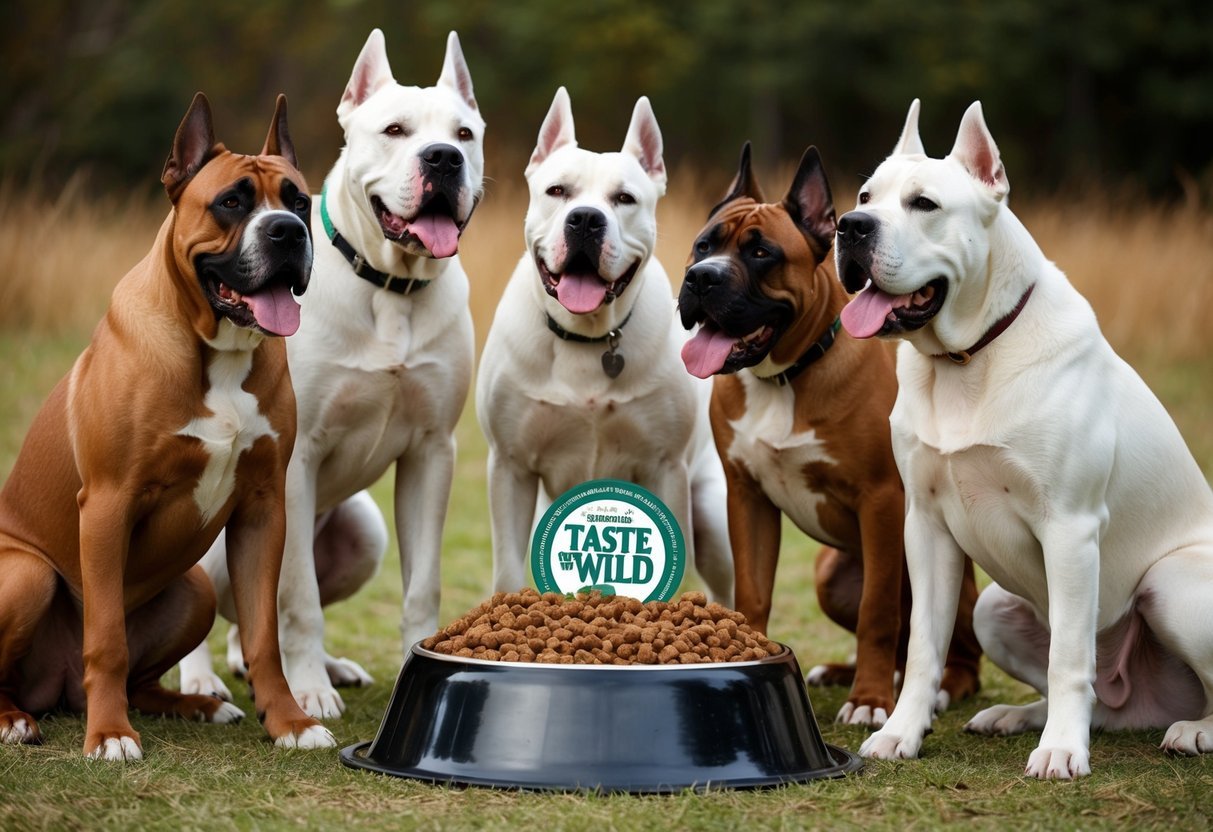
x=193, y=146
x=910, y=144
x=976, y=151
x=371, y=72
x=810, y=203
x=455, y=71
x=278, y=142
x=556, y=131
x=744, y=183
x=644, y=142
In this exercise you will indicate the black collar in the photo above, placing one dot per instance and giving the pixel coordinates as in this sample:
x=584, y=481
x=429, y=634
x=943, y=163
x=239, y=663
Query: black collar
x=564, y=335
x=391, y=282
x=814, y=352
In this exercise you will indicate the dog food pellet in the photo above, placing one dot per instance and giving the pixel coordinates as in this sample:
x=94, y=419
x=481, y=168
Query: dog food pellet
x=595, y=629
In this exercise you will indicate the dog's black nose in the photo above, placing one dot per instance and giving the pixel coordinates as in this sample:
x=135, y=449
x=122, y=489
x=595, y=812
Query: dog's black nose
x=286, y=231
x=855, y=225
x=587, y=222
x=442, y=158
x=702, y=278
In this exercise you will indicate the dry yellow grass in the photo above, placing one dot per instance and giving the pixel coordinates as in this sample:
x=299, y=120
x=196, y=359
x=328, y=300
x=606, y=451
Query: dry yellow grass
x=1147, y=269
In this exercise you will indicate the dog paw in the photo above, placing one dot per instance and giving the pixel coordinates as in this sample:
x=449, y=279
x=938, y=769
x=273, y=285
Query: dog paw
x=942, y=700
x=17, y=728
x=320, y=703
x=1005, y=720
x=207, y=684
x=828, y=675
x=1190, y=738
x=346, y=673
x=120, y=749
x=314, y=736
x=1058, y=763
x=886, y=745
x=225, y=714
x=867, y=715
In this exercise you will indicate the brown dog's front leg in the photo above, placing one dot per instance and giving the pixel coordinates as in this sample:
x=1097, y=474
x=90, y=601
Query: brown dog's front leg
x=256, y=534
x=754, y=534
x=879, y=622
x=105, y=529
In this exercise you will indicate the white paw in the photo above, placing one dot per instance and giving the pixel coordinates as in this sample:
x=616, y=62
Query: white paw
x=317, y=736
x=942, y=700
x=1004, y=720
x=346, y=673
x=227, y=714
x=816, y=676
x=850, y=714
x=320, y=702
x=206, y=684
x=885, y=745
x=19, y=732
x=1189, y=738
x=118, y=749
x=1058, y=763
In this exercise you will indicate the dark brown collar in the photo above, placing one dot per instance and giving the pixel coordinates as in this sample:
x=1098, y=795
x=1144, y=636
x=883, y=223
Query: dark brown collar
x=1000, y=326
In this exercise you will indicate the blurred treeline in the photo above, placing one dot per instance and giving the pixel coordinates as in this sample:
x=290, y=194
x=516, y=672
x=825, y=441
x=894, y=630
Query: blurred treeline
x=1108, y=93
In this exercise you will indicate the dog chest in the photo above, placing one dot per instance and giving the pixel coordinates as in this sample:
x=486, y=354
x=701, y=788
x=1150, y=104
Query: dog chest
x=782, y=459
x=232, y=423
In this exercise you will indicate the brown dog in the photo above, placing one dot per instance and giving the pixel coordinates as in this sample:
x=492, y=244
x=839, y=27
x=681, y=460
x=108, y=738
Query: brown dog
x=800, y=412
x=176, y=421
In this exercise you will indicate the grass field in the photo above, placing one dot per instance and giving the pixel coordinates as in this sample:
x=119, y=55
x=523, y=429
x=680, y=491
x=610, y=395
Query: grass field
x=60, y=257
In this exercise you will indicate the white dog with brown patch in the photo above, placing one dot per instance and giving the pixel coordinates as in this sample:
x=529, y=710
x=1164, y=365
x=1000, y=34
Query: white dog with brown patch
x=580, y=376
x=1027, y=443
x=381, y=367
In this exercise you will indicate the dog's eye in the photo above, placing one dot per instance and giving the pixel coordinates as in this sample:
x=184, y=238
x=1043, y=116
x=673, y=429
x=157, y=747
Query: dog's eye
x=231, y=203
x=625, y=198
x=703, y=247
x=394, y=129
x=555, y=190
x=864, y=198
x=465, y=134
x=923, y=204
x=302, y=204
x=760, y=253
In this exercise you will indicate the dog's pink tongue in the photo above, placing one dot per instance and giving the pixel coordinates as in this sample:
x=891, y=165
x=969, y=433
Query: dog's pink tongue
x=865, y=314
x=438, y=233
x=275, y=309
x=580, y=293
x=706, y=353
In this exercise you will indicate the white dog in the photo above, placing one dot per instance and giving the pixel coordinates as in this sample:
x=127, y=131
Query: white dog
x=1026, y=442
x=580, y=376
x=381, y=367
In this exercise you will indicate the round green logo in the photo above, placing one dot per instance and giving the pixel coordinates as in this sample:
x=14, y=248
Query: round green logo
x=612, y=536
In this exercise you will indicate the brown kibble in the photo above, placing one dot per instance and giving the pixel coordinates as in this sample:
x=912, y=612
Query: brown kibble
x=592, y=629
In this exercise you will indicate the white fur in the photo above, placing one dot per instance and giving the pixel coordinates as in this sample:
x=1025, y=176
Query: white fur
x=379, y=377
x=775, y=455
x=235, y=421
x=117, y=750
x=315, y=736
x=551, y=415
x=1046, y=459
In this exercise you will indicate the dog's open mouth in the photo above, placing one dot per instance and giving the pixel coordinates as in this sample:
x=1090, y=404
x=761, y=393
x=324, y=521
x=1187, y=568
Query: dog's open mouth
x=580, y=288
x=434, y=226
x=876, y=312
x=711, y=350
x=273, y=308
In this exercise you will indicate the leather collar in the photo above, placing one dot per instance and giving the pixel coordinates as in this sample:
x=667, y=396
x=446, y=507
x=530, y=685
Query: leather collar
x=1000, y=326
x=811, y=355
x=383, y=280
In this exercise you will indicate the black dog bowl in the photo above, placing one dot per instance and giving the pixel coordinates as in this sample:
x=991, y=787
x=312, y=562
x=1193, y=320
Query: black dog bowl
x=636, y=728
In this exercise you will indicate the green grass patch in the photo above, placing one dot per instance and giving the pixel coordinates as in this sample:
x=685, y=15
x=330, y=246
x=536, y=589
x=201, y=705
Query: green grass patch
x=231, y=777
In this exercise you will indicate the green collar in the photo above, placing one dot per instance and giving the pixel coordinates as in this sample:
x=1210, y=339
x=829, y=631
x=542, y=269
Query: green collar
x=391, y=282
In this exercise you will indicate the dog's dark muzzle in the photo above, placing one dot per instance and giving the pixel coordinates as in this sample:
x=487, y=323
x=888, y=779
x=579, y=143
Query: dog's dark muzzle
x=857, y=232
